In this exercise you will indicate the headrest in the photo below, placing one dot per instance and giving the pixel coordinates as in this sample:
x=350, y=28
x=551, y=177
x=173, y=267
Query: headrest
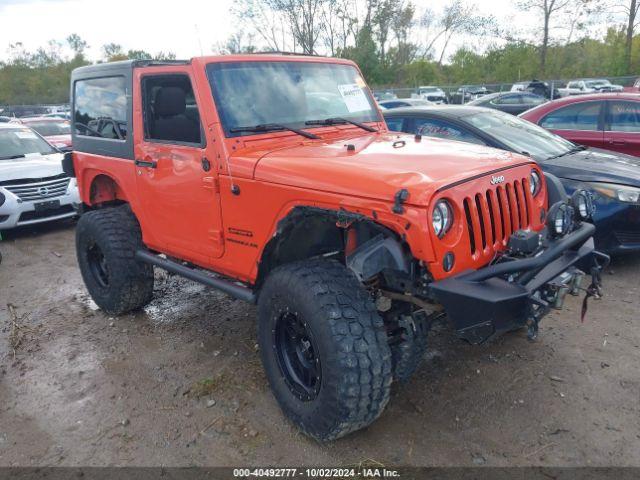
x=170, y=101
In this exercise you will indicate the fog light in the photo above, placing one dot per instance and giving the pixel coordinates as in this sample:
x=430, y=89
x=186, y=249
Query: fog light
x=2, y=199
x=560, y=219
x=582, y=202
x=448, y=262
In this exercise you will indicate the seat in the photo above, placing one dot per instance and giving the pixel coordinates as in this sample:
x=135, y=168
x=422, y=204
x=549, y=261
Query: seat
x=170, y=119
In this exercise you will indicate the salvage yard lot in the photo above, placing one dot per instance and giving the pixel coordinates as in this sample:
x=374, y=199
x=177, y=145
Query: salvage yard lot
x=181, y=383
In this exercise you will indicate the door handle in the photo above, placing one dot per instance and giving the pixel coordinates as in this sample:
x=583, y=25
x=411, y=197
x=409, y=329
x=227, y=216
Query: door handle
x=146, y=163
x=617, y=142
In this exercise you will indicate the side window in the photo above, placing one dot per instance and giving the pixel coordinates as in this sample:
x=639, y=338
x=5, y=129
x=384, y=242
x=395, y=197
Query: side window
x=395, y=124
x=577, y=116
x=170, y=111
x=100, y=108
x=432, y=127
x=624, y=116
x=507, y=100
x=533, y=99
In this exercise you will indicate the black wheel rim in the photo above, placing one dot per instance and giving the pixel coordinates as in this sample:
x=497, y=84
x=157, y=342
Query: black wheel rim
x=98, y=265
x=297, y=356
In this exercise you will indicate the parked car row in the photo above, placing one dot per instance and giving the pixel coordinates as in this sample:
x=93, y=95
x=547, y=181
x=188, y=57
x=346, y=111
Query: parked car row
x=589, y=85
x=578, y=159
x=468, y=93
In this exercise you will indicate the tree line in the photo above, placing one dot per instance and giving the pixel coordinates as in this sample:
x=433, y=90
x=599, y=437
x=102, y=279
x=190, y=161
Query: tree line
x=42, y=77
x=395, y=42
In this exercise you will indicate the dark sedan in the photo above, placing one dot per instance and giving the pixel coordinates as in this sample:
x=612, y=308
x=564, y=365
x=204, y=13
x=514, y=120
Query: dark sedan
x=509, y=102
x=613, y=178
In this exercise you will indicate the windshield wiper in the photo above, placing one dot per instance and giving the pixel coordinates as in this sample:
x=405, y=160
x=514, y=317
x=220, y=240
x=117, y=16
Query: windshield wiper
x=574, y=149
x=340, y=121
x=11, y=157
x=272, y=127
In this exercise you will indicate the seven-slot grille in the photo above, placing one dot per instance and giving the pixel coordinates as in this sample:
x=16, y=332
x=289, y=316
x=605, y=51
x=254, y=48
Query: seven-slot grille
x=494, y=215
x=30, y=189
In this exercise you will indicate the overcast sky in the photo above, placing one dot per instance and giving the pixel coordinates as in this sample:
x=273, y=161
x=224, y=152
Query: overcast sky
x=185, y=27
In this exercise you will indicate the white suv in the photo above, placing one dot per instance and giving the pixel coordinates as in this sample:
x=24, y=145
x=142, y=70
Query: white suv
x=33, y=187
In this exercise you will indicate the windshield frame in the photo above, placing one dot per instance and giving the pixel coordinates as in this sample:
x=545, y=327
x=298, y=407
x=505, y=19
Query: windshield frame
x=227, y=127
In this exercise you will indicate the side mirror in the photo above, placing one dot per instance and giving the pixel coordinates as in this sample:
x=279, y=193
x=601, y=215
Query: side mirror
x=67, y=164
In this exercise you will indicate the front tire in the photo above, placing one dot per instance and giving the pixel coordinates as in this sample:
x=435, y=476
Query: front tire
x=324, y=348
x=106, y=243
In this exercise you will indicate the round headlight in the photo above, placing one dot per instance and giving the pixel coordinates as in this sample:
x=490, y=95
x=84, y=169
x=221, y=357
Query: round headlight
x=560, y=219
x=535, y=183
x=582, y=202
x=442, y=218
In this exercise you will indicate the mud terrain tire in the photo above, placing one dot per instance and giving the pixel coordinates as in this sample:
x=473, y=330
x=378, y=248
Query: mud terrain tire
x=106, y=243
x=346, y=340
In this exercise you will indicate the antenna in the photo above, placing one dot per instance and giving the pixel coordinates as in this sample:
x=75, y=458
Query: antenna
x=195, y=25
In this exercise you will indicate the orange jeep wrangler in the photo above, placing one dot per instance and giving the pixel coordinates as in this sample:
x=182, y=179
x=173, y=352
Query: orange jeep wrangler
x=274, y=179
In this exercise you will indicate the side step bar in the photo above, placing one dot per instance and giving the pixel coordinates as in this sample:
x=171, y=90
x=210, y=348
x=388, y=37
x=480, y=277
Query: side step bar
x=233, y=289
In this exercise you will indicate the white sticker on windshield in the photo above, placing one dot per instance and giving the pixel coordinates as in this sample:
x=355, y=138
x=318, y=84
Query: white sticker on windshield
x=26, y=135
x=354, y=97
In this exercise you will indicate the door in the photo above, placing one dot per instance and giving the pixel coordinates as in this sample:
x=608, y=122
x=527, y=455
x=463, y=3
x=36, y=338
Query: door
x=622, y=127
x=176, y=176
x=580, y=122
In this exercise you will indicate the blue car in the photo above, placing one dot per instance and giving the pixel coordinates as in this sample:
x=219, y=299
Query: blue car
x=613, y=178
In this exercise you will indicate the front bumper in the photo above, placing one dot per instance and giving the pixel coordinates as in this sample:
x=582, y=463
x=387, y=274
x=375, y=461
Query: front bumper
x=15, y=212
x=484, y=303
x=618, y=227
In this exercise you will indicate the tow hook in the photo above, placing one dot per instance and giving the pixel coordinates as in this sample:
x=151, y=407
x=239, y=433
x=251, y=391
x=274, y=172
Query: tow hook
x=595, y=289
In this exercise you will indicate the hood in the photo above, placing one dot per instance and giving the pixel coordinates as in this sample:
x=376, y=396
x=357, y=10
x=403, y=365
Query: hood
x=31, y=166
x=381, y=165
x=595, y=165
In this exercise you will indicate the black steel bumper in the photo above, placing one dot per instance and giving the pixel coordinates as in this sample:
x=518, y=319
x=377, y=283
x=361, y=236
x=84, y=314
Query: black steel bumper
x=484, y=303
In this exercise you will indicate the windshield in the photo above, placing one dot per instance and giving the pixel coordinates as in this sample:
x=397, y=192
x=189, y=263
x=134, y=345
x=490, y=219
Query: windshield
x=287, y=93
x=48, y=129
x=521, y=136
x=428, y=89
x=18, y=142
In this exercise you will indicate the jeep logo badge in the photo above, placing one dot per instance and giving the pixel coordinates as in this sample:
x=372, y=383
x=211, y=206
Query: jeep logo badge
x=497, y=180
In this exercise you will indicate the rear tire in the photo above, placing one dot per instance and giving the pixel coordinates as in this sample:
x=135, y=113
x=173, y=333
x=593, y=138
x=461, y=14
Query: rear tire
x=324, y=348
x=106, y=243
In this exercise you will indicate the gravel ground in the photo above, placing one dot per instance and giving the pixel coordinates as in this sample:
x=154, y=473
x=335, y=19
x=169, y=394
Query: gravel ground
x=181, y=384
